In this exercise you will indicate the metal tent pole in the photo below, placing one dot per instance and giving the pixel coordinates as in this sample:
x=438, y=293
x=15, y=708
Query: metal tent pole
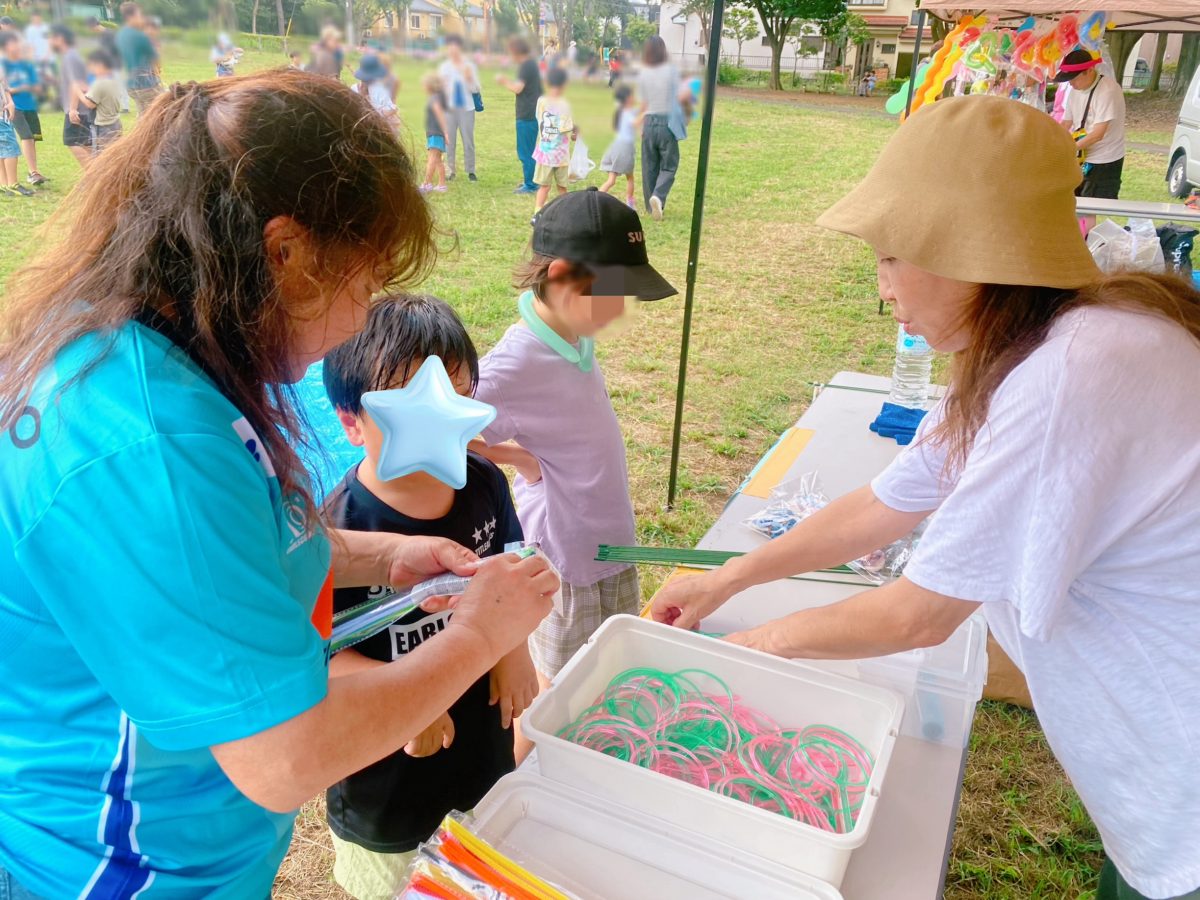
x=710, y=97
x=912, y=75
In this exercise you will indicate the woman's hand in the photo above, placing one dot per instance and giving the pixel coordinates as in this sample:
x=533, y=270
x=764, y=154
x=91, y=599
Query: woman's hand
x=514, y=684
x=684, y=601
x=754, y=638
x=438, y=736
x=415, y=559
x=506, y=600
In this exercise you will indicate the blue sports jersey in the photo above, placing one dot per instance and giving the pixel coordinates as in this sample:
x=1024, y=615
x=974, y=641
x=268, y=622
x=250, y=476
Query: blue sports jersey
x=155, y=599
x=22, y=73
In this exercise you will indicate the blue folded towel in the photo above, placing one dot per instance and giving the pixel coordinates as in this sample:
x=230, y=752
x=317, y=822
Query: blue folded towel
x=897, y=422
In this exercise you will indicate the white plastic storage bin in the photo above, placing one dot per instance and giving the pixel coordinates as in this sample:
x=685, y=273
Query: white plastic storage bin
x=598, y=851
x=941, y=684
x=793, y=695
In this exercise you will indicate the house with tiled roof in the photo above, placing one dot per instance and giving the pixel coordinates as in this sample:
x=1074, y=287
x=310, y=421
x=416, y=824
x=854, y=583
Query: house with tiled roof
x=893, y=28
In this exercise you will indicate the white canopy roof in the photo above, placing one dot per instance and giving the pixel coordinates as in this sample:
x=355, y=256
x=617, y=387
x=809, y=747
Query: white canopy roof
x=1131, y=15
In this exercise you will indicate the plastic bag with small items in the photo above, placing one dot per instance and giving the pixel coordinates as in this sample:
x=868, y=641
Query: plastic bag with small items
x=794, y=501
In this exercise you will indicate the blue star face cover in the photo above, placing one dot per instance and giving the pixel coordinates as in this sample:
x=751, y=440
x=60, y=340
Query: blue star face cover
x=426, y=426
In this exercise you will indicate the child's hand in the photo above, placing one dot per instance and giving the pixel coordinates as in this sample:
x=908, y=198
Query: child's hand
x=438, y=736
x=514, y=684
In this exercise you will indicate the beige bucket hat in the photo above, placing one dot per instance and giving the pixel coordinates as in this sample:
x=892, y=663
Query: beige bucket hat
x=977, y=188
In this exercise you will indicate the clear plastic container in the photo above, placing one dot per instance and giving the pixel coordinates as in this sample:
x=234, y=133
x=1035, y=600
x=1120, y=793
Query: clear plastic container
x=596, y=850
x=941, y=684
x=912, y=372
x=791, y=693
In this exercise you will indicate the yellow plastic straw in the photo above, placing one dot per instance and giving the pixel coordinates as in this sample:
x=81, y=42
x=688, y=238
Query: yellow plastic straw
x=501, y=863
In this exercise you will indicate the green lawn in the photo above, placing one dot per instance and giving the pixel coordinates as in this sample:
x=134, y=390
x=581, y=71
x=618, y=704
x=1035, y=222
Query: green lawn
x=778, y=303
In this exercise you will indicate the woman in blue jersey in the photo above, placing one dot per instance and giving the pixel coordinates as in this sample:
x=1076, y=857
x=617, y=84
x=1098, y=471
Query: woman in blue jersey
x=164, y=579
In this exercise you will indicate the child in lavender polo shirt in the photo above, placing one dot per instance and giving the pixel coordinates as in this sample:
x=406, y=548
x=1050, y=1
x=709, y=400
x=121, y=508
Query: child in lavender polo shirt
x=572, y=489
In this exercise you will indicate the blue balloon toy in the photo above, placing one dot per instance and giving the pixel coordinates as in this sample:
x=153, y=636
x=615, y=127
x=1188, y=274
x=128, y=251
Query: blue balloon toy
x=426, y=426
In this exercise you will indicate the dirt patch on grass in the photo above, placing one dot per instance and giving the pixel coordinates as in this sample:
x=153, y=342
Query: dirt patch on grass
x=1148, y=111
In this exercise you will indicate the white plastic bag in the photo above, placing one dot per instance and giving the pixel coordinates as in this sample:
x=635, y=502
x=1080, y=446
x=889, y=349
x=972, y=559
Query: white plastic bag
x=1117, y=249
x=794, y=501
x=580, y=166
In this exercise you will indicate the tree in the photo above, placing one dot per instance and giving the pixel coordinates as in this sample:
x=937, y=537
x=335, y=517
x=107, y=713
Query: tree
x=741, y=25
x=844, y=29
x=639, y=31
x=797, y=38
x=1160, y=52
x=1120, y=47
x=778, y=16
x=1189, y=56
x=463, y=9
x=702, y=10
x=529, y=13
x=280, y=21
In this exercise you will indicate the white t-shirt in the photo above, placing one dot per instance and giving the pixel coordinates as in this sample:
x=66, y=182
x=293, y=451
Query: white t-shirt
x=38, y=39
x=1108, y=105
x=457, y=86
x=380, y=95
x=1076, y=522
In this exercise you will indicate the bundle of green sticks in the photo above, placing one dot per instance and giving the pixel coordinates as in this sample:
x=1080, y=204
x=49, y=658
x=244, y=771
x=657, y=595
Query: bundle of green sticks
x=688, y=558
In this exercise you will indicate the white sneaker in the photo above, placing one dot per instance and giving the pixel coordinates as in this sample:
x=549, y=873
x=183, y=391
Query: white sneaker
x=656, y=210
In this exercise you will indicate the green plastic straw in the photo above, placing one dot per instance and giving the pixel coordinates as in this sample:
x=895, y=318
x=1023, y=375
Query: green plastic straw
x=679, y=556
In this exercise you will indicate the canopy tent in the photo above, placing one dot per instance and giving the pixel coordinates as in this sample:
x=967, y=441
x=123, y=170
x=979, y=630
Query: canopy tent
x=1125, y=15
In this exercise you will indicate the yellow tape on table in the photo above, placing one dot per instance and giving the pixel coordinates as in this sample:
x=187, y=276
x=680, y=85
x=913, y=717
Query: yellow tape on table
x=776, y=465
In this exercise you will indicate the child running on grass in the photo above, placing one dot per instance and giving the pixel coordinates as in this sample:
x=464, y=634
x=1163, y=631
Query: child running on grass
x=572, y=487
x=621, y=156
x=435, y=135
x=379, y=815
x=10, y=150
x=556, y=133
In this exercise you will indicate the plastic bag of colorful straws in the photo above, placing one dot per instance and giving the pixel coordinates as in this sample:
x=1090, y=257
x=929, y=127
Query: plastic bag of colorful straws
x=794, y=501
x=456, y=864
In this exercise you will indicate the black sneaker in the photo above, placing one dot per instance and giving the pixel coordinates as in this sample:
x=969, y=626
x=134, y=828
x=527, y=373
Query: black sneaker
x=37, y=178
x=21, y=191
x=471, y=177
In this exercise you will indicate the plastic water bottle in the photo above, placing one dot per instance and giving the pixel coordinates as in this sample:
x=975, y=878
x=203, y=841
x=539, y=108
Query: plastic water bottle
x=910, y=377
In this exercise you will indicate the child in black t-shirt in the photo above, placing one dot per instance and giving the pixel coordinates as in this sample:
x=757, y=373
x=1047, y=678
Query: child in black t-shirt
x=379, y=815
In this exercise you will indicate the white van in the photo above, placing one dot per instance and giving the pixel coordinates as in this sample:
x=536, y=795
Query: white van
x=1183, y=171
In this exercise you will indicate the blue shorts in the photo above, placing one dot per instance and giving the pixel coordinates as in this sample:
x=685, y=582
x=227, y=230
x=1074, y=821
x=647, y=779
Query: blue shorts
x=9, y=148
x=435, y=142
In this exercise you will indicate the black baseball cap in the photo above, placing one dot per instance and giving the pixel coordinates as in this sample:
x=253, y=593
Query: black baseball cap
x=602, y=234
x=1075, y=64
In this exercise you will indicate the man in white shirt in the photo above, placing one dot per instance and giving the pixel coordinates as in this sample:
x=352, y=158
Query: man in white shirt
x=1096, y=116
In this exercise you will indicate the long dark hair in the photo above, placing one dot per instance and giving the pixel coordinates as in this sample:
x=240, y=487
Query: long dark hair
x=167, y=229
x=1008, y=323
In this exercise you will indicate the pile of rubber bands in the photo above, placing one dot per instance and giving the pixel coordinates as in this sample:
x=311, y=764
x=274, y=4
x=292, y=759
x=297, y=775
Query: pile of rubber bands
x=667, y=723
x=455, y=864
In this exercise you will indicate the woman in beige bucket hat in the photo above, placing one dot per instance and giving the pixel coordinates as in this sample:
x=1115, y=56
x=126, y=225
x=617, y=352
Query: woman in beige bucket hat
x=1063, y=464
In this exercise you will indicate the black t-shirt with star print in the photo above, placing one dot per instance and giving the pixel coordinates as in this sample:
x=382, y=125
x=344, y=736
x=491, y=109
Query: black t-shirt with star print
x=398, y=802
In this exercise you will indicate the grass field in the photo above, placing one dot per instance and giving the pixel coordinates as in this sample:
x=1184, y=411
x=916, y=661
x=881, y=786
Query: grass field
x=778, y=303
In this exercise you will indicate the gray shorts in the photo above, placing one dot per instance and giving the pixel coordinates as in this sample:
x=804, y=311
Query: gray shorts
x=585, y=608
x=619, y=158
